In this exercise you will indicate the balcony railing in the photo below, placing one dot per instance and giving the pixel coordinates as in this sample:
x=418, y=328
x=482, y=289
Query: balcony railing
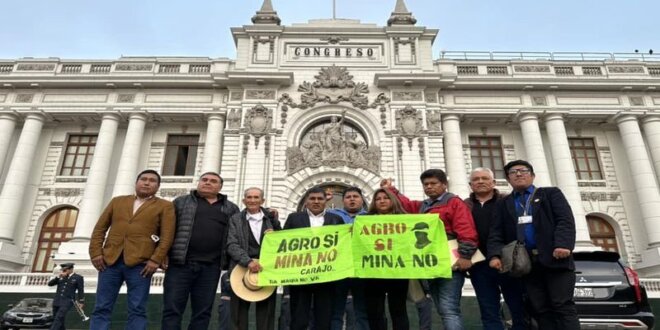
x=547, y=56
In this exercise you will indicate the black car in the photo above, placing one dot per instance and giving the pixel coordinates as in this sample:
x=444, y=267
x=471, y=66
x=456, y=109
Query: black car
x=608, y=294
x=29, y=313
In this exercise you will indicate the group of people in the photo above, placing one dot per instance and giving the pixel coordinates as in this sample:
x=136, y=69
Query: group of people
x=197, y=236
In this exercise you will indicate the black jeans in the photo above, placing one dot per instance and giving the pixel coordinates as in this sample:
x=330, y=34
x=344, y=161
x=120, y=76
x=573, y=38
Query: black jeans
x=303, y=297
x=265, y=313
x=199, y=281
x=397, y=292
x=550, y=295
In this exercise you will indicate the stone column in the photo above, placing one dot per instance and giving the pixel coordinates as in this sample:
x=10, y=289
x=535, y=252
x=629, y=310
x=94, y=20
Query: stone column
x=643, y=177
x=97, y=178
x=565, y=174
x=651, y=125
x=11, y=198
x=454, y=158
x=130, y=155
x=213, y=145
x=7, y=125
x=529, y=124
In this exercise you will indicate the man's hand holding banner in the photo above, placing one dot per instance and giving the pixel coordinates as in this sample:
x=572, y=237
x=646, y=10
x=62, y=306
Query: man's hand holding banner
x=406, y=246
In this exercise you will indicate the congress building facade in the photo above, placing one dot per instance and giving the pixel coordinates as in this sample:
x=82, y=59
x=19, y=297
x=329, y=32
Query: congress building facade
x=328, y=103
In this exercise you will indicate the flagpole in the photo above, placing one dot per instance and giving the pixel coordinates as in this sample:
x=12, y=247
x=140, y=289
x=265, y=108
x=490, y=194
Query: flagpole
x=334, y=9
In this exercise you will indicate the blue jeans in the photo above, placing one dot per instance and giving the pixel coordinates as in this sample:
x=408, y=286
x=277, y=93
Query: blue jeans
x=109, y=283
x=356, y=287
x=446, y=294
x=196, y=280
x=488, y=284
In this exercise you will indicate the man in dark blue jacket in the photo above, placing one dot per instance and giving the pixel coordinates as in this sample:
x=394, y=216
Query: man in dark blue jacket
x=542, y=218
x=68, y=284
x=353, y=201
x=197, y=254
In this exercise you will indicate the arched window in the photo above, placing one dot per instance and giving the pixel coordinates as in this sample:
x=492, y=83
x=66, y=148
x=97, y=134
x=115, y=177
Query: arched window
x=602, y=234
x=57, y=228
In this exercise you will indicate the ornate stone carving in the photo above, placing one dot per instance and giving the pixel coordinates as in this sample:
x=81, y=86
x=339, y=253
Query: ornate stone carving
x=236, y=96
x=407, y=96
x=24, y=98
x=333, y=148
x=126, y=98
x=258, y=122
x=636, y=101
x=284, y=114
x=539, y=101
x=381, y=101
x=35, y=67
x=625, y=69
x=257, y=94
x=599, y=196
x=234, y=119
x=334, y=39
x=409, y=123
x=61, y=192
x=133, y=67
x=433, y=121
x=333, y=85
x=431, y=97
x=532, y=68
x=172, y=192
x=420, y=143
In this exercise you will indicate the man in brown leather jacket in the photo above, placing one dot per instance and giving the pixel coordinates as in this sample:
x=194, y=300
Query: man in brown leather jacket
x=138, y=230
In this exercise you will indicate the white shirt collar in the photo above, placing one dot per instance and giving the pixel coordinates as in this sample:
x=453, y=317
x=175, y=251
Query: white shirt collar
x=255, y=216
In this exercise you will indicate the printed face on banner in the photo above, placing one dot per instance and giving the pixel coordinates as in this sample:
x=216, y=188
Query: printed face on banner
x=398, y=246
x=404, y=246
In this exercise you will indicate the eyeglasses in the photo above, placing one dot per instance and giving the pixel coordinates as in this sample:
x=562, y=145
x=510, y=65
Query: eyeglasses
x=519, y=171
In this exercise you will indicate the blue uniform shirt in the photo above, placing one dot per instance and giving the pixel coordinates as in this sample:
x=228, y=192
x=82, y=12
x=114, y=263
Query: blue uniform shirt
x=522, y=200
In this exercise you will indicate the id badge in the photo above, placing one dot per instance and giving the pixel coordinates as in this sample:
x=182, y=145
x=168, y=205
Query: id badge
x=524, y=219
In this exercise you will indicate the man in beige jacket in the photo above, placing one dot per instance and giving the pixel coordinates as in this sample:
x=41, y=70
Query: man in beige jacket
x=128, y=243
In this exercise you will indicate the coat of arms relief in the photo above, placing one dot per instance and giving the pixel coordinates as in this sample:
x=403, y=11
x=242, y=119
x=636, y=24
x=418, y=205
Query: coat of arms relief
x=333, y=146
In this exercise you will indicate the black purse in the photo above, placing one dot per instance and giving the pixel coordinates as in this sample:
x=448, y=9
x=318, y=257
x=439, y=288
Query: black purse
x=514, y=257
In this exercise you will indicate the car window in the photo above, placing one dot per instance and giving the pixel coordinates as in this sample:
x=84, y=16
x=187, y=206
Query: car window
x=599, y=268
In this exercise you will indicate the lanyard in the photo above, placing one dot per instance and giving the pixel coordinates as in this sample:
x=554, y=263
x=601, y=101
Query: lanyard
x=527, y=203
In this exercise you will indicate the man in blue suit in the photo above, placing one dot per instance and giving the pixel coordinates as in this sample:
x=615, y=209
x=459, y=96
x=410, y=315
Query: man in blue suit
x=542, y=218
x=320, y=295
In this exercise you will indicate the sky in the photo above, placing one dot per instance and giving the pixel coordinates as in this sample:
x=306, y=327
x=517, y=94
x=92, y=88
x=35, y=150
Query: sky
x=109, y=29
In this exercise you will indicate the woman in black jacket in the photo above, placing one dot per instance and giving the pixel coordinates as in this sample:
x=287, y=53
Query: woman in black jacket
x=396, y=290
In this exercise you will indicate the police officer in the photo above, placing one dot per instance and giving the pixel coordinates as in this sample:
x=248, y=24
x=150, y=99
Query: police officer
x=67, y=283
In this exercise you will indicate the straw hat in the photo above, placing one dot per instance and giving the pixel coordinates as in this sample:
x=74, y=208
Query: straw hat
x=244, y=284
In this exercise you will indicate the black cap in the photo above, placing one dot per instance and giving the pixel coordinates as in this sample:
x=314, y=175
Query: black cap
x=421, y=226
x=68, y=265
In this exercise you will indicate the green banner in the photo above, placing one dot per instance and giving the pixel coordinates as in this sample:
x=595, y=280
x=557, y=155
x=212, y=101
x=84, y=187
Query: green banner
x=306, y=255
x=400, y=246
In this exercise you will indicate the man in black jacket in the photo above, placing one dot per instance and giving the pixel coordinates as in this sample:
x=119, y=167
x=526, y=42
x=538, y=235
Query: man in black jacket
x=488, y=284
x=197, y=254
x=246, y=232
x=542, y=218
x=68, y=283
x=320, y=295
